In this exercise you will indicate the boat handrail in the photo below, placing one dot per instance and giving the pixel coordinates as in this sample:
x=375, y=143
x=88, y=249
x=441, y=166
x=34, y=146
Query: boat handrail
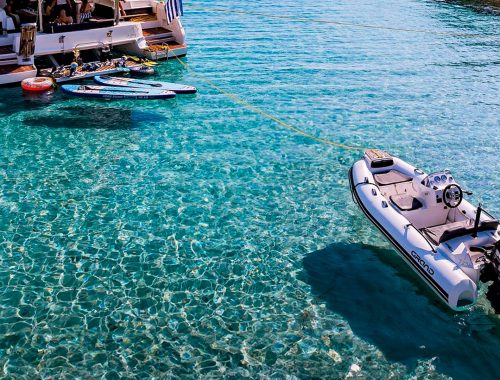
x=421, y=234
x=488, y=214
x=354, y=186
x=90, y=44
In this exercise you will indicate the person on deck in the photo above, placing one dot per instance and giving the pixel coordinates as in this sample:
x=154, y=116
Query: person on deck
x=63, y=4
x=49, y=8
x=10, y=11
x=63, y=19
x=85, y=12
x=53, y=7
x=122, y=11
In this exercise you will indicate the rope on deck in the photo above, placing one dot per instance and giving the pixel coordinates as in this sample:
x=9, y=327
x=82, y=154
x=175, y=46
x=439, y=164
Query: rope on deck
x=235, y=98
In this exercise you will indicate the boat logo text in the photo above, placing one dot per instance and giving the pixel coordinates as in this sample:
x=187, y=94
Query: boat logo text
x=422, y=263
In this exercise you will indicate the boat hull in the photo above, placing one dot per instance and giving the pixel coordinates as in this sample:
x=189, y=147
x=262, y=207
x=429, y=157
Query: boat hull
x=15, y=74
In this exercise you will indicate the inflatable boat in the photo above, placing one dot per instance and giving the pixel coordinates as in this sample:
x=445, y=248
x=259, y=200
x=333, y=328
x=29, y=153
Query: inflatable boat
x=451, y=244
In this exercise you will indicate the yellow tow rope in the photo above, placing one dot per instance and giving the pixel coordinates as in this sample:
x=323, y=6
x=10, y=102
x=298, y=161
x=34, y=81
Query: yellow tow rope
x=258, y=110
x=284, y=124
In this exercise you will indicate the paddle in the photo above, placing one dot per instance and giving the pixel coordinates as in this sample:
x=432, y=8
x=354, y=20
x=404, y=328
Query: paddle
x=149, y=84
x=104, y=89
x=130, y=80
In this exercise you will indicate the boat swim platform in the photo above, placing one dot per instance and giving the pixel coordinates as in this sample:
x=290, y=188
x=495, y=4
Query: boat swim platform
x=141, y=18
x=165, y=51
x=15, y=69
x=10, y=74
x=150, y=32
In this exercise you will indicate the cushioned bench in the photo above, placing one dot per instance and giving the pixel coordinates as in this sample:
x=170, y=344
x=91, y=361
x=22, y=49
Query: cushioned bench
x=391, y=177
x=444, y=232
x=406, y=202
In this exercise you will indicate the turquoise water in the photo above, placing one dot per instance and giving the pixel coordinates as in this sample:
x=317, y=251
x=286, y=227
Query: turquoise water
x=195, y=238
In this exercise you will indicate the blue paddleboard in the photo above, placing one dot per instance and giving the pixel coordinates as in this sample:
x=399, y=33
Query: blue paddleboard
x=107, y=92
x=143, y=83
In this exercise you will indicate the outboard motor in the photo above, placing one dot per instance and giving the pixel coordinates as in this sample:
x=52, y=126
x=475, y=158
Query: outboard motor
x=491, y=272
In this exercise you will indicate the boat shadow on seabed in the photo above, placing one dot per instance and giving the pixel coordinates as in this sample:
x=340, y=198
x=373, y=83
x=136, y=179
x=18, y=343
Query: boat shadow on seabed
x=109, y=118
x=385, y=304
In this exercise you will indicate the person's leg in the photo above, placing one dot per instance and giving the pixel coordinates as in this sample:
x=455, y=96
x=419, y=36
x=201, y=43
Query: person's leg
x=73, y=10
x=122, y=11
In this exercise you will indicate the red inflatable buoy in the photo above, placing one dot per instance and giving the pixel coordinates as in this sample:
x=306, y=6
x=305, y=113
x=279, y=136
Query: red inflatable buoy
x=37, y=84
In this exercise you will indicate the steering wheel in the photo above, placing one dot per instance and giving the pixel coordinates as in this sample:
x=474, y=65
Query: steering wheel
x=452, y=195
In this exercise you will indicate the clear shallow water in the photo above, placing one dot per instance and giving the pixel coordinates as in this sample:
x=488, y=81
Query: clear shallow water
x=194, y=238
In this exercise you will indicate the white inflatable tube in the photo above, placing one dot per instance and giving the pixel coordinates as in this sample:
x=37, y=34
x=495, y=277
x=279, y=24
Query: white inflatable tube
x=443, y=276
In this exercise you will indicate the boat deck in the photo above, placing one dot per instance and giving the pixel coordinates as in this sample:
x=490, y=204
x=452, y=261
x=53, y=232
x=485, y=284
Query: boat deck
x=141, y=18
x=154, y=31
x=166, y=46
x=15, y=69
x=6, y=50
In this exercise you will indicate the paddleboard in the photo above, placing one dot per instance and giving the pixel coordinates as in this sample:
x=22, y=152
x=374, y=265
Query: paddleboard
x=144, y=84
x=106, y=92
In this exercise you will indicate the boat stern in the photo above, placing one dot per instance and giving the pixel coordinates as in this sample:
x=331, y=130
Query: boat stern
x=462, y=295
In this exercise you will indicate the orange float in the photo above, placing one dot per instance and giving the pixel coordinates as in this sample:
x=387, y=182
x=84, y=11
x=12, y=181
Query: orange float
x=37, y=84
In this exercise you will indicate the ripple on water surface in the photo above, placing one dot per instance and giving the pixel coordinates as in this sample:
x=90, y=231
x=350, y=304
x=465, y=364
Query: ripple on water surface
x=186, y=238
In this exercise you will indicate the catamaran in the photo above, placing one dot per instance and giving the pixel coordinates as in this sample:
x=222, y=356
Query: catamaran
x=451, y=244
x=145, y=28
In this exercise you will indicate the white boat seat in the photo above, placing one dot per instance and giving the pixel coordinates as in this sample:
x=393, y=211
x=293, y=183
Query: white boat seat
x=444, y=232
x=391, y=177
x=439, y=233
x=406, y=202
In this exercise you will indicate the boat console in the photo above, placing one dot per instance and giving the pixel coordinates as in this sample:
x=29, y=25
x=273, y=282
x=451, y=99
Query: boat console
x=445, y=189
